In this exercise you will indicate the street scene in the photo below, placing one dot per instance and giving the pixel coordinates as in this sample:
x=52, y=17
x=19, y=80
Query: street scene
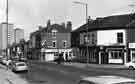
x=67, y=42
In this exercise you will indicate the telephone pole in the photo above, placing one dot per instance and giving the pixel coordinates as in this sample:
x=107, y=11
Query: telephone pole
x=7, y=27
x=87, y=22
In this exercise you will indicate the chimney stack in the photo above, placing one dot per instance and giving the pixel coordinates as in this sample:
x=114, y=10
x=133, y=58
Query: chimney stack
x=69, y=26
x=40, y=27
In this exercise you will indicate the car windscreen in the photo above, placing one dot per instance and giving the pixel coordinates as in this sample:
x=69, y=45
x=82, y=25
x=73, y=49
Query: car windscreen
x=126, y=82
x=21, y=64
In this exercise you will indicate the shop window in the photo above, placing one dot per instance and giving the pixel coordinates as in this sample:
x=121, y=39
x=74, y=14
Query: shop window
x=116, y=55
x=120, y=37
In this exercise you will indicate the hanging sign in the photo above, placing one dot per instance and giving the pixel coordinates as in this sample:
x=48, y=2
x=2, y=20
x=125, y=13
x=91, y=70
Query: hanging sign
x=131, y=45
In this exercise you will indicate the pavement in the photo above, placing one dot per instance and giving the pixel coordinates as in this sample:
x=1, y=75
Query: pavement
x=8, y=77
x=103, y=66
x=98, y=66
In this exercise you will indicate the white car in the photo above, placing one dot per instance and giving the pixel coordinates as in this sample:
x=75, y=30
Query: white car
x=6, y=62
x=19, y=66
x=106, y=80
x=130, y=65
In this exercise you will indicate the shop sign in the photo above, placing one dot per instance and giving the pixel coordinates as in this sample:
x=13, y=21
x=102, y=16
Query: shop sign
x=131, y=45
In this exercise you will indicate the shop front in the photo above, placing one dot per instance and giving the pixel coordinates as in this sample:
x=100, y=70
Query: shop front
x=112, y=55
x=116, y=56
x=131, y=48
x=52, y=54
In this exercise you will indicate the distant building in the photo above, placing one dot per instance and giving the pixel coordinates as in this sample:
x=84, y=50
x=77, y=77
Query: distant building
x=19, y=34
x=6, y=37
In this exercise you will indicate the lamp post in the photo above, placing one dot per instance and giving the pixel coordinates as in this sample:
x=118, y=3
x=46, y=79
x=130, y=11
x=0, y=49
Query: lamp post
x=86, y=7
x=7, y=26
x=7, y=50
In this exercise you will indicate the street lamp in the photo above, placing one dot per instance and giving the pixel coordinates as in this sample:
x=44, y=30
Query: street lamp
x=86, y=7
x=7, y=50
x=7, y=26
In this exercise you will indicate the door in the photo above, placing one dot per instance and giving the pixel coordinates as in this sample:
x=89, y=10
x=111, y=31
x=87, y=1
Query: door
x=132, y=55
x=102, y=58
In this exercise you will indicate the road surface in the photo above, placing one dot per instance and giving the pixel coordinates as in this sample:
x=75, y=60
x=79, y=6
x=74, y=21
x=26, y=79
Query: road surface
x=50, y=73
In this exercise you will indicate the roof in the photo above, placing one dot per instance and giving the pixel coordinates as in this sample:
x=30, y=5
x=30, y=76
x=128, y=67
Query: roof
x=60, y=28
x=115, y=22
x=108, y=79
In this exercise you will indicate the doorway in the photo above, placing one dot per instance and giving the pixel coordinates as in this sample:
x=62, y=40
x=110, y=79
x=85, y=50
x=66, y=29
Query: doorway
x=132, y=56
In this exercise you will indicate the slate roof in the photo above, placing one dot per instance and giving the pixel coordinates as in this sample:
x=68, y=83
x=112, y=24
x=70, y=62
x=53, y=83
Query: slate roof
x=110, y=22
x=60, y=29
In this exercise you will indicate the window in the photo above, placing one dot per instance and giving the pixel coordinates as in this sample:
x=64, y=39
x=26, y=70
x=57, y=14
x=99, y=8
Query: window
x=93, y=35
x=65, y=44
x=54, y=44
x=93, y=41
x=54, y=33
x=120, y=37
x=116, y=55
x=85, y=39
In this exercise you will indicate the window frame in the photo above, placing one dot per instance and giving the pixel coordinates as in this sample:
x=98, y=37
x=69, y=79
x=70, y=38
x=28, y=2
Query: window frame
x=120, y=37
x=55, y=44
x=54, y=33
x=64, y=43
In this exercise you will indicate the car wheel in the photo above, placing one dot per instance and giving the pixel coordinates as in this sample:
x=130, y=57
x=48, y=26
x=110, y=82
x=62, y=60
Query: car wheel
x=131, y=67
x=14, y=70
x=26, y=71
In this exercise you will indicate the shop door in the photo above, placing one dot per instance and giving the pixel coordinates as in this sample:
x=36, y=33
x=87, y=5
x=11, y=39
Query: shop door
x=132, y=55
x=103, y=58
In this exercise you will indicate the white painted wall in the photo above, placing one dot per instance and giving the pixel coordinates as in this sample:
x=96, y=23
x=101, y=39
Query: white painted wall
x=49, y=57
x=109, y=37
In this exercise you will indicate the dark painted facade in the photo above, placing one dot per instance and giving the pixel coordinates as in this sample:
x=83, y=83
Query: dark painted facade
x=117, y=51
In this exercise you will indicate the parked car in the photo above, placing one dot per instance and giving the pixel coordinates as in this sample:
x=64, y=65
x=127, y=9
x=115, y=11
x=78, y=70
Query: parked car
x=106, y=80
x=19, y=66
x=6, y=62
x=130, y=65
x=23, y=59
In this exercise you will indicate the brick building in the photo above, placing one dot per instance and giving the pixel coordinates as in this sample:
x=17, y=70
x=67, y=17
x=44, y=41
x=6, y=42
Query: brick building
x=56, y=39
x=47, y=42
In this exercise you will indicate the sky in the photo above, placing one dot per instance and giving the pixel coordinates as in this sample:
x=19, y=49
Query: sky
x=30, y=14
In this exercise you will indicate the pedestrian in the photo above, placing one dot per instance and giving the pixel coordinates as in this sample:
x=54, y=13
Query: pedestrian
x=70, y=59
x=7, y=64
x=66, y=57
x=58, y=60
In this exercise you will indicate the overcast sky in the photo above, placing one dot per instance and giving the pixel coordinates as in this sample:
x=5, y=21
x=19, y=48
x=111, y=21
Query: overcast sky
x=29, y=14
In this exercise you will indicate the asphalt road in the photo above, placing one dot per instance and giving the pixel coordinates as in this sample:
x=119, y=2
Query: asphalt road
x=49, y=73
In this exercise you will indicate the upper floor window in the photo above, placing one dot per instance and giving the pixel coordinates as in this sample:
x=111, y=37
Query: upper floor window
x=54, y=44
x=85, y=39
x=120, y=37
x=44, y=43
x=65, y=44
x=54, y=33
